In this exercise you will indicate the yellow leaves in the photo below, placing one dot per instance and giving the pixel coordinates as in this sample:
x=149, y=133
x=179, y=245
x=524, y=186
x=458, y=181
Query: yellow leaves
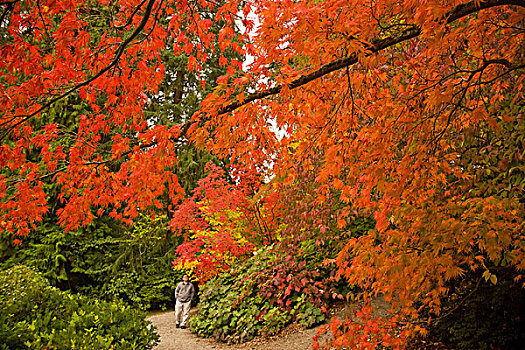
x=493, y=279
x=487, y=275
x=188, y=266
x=220, y=221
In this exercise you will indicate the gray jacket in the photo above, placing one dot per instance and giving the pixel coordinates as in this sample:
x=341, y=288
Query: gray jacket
x=184, y=292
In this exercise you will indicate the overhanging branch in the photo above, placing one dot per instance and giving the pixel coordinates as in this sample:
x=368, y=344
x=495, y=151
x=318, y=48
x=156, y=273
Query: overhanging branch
x=114, y=62
x=375, y=46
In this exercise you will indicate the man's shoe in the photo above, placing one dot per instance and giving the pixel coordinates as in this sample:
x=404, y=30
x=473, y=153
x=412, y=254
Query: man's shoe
x=177, y=325
x=183, y=327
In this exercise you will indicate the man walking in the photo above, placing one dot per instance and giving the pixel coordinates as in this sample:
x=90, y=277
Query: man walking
x=183, y=295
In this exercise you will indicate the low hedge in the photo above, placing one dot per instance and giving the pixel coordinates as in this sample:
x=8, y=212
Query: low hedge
x=35, y=315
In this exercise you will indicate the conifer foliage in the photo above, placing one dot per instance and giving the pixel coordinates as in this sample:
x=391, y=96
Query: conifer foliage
x=414, y=110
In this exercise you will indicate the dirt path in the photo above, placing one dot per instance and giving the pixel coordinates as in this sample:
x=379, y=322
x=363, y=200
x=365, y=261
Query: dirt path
x=172, y=338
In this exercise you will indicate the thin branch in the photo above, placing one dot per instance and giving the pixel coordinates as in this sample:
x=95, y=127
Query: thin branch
x=42, y=18
x=375, y=46
x=120, y=51
x=479, y=83
x=462, y=301
x=9, y=6
x=128, y=22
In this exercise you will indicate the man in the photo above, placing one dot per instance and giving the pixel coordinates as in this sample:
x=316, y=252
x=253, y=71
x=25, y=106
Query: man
x=183, y=295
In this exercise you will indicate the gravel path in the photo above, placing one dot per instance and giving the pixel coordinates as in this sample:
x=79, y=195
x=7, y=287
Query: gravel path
x=172, y=338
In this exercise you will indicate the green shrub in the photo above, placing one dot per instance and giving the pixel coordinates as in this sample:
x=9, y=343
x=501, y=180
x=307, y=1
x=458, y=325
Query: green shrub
x=148, y=292
x=105, y=260
x=262, y=295
x=35, y=315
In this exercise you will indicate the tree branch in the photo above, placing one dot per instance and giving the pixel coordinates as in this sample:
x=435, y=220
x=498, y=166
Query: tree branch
x=9, y=6
x=130, y=19
x=375, y=46
x=118, y=54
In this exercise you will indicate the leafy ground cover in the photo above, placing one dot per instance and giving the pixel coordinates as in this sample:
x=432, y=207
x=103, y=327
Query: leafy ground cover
x=264, y=294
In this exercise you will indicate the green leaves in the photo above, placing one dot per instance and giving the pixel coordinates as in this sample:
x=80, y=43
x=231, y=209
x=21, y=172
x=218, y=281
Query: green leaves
x=263, y=295
x=106, y=260
x=35, y=315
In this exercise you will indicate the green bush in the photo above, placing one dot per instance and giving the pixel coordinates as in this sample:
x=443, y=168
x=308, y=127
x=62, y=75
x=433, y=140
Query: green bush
x=35, y=315
x=105, y=260
x=261, y=296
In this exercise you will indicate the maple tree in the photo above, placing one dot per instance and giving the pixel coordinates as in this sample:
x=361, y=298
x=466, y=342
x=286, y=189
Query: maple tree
x=75, y=48
x=64, y=257
x=220, y=221
x=415, y=109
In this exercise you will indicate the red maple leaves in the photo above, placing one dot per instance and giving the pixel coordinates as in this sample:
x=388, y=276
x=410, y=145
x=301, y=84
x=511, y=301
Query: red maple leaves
x=221, y=221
